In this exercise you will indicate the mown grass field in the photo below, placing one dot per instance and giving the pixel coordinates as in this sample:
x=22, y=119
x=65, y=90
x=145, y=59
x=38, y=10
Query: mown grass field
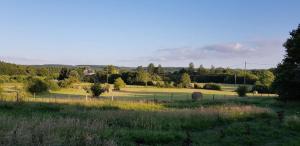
x=147, y=116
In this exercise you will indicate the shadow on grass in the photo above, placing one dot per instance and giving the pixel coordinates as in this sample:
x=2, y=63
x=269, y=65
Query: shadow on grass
x=257, y=101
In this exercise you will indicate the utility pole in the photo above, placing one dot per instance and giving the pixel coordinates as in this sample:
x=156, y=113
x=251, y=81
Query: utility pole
x=235, y=79
x=245, y=73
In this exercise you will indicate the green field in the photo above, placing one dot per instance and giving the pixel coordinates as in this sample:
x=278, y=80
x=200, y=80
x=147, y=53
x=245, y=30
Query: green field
x=146, y=116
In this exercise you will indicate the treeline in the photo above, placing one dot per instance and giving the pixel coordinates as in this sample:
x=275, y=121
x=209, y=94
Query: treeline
x=150, y=75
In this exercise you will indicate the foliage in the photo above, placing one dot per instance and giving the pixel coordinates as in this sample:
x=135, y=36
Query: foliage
x=151, y=68
x=191, y=68
x=64, y=83
x=211, y=86
x=110, y=69
x=36, y=85
x=242, y=90
x=287, y=81
x=142, y=76
x=97, y=89
x=64, y=74
x=185, y=80
x=53, y=85
x=266, y=78
x=119, y=83
x=197, y=86
x=260, y=88
x=74, y=76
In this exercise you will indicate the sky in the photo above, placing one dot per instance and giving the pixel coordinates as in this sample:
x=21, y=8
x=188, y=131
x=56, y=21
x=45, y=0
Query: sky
x=223, y=33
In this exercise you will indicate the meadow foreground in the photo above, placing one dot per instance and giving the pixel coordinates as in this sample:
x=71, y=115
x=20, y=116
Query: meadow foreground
x=145, y=119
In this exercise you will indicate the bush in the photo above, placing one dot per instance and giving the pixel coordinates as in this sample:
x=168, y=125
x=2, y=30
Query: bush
x=242, y=91
x=37, y=86
x=212, y=86
x=197, y=86
x=97, y=89
x=53, y=85
x=64, y=83
x=119, y=83
x=261, y=88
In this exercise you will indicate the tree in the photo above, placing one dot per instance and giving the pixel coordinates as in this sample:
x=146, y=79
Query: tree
x=110, y=69
x=63, y=74
x=159, y=70
x=142, y=76
x=119, y=83
x=37, y=85
x=97, y=89
x=202, y=70
x=264, y=82
x=151, y=68
x=41, y=72
x=266, y=78
x=287, y=74
x=185, y=80
x=191, y=68
x=242, y=91
x=74, y=76
x=139, y=68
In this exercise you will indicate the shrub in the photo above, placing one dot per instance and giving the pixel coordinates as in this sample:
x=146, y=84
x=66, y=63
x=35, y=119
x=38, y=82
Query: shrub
x=64, y=83
x=97, y=89
x=242, y=91
x=52, y=85
x=119, y=83
x=197, y=86
x=37, y=86
x=179, y=85
x=212, y=86
x=160, y=84
x=196, y=96
x=261, y=88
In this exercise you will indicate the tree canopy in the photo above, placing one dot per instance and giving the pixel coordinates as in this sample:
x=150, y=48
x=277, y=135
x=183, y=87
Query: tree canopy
x=287, y=81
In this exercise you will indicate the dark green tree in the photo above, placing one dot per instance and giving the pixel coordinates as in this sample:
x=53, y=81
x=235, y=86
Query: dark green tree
x=159, y=70
x=191, y=68
x=97, y=89
x=287, y=74
x=202, y=70
x=74, y=76
x=151, y=68
x=36, y=85
x=242, y=91
x=63, y=74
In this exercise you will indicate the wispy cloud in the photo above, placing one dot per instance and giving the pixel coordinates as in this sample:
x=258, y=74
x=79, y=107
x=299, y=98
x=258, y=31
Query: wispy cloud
x=267, y=51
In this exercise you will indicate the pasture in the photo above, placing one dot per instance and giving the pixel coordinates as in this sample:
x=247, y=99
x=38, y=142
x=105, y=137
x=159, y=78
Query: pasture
x=147, y=116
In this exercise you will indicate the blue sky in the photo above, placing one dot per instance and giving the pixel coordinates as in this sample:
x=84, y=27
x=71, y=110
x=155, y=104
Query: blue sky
x=137, y=32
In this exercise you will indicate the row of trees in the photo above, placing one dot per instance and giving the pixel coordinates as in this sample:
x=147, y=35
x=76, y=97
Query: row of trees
x=151, y=75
